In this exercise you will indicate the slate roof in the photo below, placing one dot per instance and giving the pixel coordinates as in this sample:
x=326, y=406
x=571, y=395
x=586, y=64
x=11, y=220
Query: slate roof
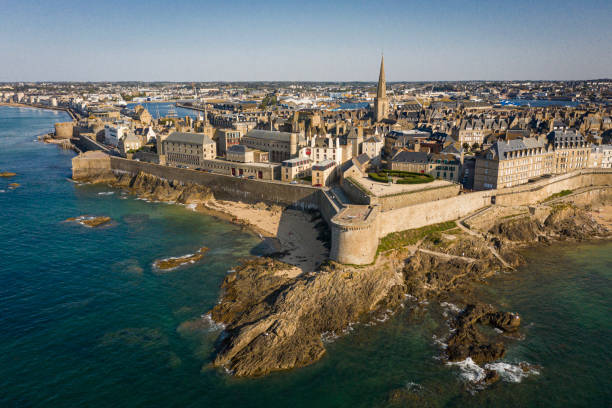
x=270, y=135
x=501, y=149
x=191, y=138
x=410, y=157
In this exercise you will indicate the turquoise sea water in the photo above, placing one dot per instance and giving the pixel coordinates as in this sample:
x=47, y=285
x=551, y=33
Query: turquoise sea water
x=86, y=321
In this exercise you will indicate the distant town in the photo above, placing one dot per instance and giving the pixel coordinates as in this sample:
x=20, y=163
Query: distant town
x=481, y=135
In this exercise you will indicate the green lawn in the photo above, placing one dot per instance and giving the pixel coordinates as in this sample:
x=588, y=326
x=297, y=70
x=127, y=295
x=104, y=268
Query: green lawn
x=412, y=236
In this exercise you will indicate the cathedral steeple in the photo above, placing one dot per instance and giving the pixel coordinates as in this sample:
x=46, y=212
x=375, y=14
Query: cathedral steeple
x=381, y=104
x=381, y=90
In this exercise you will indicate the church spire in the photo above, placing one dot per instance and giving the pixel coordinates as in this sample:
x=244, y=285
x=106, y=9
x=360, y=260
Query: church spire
x=381, y=104
x=381, y=90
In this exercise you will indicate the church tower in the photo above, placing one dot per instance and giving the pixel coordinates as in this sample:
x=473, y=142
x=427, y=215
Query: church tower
x=381, y=103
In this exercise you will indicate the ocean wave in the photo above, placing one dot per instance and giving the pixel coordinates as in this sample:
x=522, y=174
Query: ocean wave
x=106, y=193
x=513, y=372
x=470, y=371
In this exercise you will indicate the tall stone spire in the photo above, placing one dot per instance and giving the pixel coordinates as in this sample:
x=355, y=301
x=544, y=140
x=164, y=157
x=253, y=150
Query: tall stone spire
x=381, y=90
x=381, y=104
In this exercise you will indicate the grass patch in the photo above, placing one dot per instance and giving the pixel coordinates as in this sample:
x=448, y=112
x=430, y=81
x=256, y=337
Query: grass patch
x=380, y=177
x=404, y=177
x=562, y=193
x=412, y=236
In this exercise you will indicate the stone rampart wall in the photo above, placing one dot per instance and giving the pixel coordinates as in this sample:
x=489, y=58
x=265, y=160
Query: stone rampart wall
x=228, y=187
x=393, y=202
x=354, y=193
x=327, y=207
x=535, y=192
x=420, y=215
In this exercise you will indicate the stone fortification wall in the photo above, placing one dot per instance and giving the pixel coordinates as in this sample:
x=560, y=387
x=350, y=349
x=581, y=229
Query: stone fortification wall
x=64, y=130
x=400, y=200
x=228, y=187
x=85, y=143
x=419, y=215
x=327, y=206
x=354, y=193
x=91, y=165
x=534, y=192
x=355, y=243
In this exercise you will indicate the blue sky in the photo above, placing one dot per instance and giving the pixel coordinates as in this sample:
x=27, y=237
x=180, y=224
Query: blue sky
x=306, y=40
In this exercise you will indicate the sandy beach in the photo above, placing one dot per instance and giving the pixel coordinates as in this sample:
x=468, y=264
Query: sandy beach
x=603, y=215
x=295, y=233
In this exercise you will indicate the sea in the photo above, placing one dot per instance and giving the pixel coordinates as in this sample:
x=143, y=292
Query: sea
x=161, y=109
x=86, y=321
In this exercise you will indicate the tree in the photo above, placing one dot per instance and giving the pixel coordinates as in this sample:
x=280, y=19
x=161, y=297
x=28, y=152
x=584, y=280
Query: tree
x=466, y=146
x=475, y=146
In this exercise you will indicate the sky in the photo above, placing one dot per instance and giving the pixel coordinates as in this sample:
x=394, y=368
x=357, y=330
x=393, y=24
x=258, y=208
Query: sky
x=331, y=40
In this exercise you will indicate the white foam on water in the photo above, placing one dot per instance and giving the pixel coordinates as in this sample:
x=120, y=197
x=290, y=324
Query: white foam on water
x=212, y=325
x=470, y=371
x=191, y=206
x=106, y=193
x=513, y=373
x=439, y=342
x=2, y=191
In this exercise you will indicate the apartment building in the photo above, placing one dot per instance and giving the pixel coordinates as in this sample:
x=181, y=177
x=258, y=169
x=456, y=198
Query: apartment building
x=507, y=164
x=188, y=149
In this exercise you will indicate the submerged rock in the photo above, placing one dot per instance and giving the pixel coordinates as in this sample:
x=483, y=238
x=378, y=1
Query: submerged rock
x=7, y=174
x=90, y=221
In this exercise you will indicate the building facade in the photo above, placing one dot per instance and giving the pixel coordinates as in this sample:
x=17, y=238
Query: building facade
x=508, y=164
x=281, y=146
x=188, y=149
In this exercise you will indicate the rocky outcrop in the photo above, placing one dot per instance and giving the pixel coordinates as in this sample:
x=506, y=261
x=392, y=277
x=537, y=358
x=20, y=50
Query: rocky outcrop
x=274, y=322
x=90, y=221
x=468, y=342
x=154, y=188
x=168, y=264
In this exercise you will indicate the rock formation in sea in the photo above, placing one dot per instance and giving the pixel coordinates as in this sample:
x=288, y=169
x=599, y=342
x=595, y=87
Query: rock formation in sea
x=274, y=322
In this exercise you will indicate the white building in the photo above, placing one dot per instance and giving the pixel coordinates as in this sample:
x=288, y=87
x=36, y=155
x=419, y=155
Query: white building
x=114, y=133
x=372, y=146
x=601, y=157
x=323, y=148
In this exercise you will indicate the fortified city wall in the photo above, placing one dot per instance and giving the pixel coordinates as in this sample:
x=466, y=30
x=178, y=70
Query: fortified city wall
x=355, y=229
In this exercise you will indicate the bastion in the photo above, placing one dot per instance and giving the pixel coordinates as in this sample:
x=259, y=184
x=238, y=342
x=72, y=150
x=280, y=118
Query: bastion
x=64, y=130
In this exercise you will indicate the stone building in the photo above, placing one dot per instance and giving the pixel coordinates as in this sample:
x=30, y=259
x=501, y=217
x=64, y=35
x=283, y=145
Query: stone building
x=280, y=145
x=323, y=148
x=188, y=149
x=601, y=157
x=508, y=164
x=372, y=146
x=295, y=168
x=441, y=166
x=226, y=138
x=243, y=154
x=323, y=173
x=571, y=151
